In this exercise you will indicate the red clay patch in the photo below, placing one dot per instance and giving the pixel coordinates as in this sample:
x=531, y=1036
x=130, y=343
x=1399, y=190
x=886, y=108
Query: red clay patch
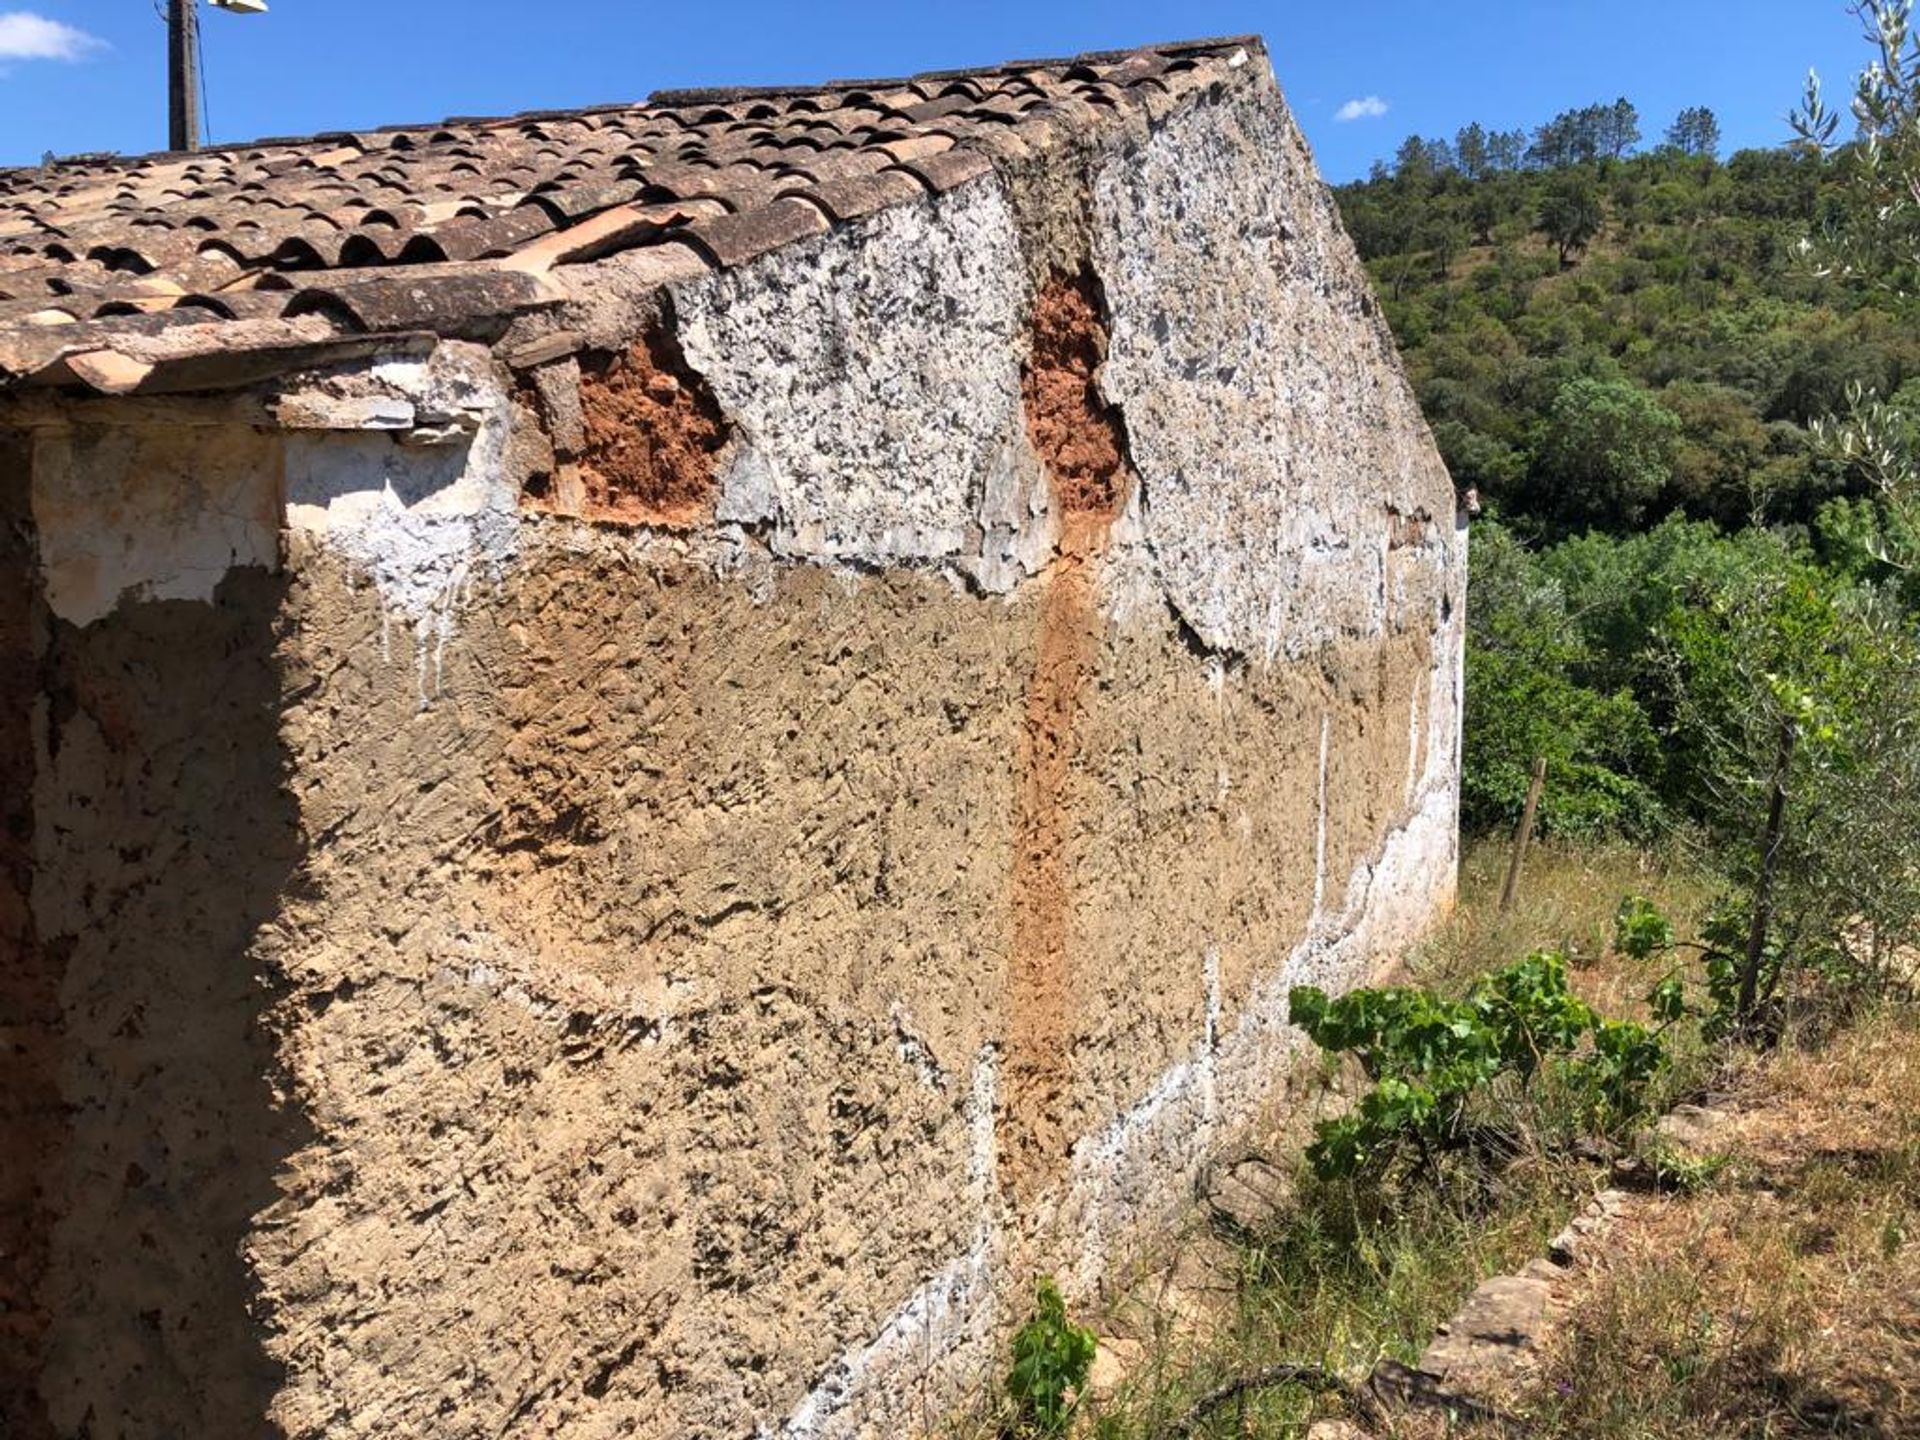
x=1075, y=432
x=1079, y=439
x=1036, y=1137
x=652, y=433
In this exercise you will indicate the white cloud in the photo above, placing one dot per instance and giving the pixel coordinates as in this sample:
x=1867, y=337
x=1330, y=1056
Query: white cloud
x=1368, y=107
x=27, y=36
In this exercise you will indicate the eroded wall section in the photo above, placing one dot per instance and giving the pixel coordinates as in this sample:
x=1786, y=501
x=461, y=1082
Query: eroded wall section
x=745, y=846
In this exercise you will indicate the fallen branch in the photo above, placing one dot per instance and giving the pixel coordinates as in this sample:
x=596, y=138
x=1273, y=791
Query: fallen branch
x=1316, y=1378
x=1393, y=1387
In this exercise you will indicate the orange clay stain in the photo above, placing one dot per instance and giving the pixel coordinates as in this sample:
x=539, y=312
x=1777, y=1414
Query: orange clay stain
x=652, y=434
x=1079, y=440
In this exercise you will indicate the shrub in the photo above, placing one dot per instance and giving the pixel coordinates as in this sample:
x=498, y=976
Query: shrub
x=1430, y=1060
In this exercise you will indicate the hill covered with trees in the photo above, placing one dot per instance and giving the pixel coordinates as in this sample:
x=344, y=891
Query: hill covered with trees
x=1604, y=333
x=1687, y=390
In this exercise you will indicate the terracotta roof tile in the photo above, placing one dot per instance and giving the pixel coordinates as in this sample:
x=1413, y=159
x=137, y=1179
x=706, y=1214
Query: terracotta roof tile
x=134, y=273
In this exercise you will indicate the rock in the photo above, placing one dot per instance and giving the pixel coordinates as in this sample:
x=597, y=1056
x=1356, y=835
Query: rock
x=1544, y=1269
x=1492, y=1339
x=1113, y=1361
x=1586, y=1227
x=1336, y=1430
x=1694, y=1129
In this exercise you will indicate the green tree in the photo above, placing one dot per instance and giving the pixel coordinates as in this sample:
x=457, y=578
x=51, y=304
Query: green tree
x=1507, y=149
x=1794, y=721
x=1052, y=1358
x=1872, y=238
x=1606, y=451
x=1875, y=238
x=1619, y=127
x=1695, y=131
x=1524, y=700
x=1722, y=452
x=1483, y=213
x=1470, y=149
x=1570, y=214
x=1413, y=160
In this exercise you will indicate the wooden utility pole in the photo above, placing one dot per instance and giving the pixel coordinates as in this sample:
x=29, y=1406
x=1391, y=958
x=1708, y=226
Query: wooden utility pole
x=1524, y=835
x=183, y=75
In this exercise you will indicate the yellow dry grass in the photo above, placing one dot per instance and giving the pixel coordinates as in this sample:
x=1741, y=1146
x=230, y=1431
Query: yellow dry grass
x=1784, y=1300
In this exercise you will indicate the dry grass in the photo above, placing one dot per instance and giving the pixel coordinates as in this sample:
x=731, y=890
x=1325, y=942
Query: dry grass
x=1340, y=1282
x=1785, y=1300
x=1567, y=900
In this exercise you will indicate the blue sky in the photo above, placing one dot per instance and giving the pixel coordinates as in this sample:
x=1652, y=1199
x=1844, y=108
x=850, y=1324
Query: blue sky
x=81, y=75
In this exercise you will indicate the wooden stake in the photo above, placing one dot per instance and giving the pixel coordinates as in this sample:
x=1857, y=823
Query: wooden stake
x=1524, y=835
x=1763, y=883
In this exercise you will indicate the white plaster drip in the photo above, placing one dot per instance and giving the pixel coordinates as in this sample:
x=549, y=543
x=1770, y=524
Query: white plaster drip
x=422, y=520
x=1210, y=1105
x=1100, y=1163
x=1388, y=903
x=953, y=1308
x=914, y=1052
x=1320, y=822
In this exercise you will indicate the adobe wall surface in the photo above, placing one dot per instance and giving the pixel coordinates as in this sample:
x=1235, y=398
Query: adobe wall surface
x=652, y=896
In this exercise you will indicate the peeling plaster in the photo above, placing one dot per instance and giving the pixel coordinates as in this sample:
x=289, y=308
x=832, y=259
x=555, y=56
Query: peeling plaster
x=1237, y=311
x=423, y=513
x=872, y=377
x=150, y=514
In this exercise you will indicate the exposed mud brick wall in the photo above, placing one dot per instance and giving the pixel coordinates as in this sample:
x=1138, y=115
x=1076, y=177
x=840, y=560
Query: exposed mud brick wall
x=652, y=431
x=730, y=858
x=1081, y=445
x=689, y=1038
x=32, y=1126
x=1076, y=434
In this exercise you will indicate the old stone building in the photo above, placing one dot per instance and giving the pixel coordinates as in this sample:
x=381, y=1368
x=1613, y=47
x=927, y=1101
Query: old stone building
x=654, y=753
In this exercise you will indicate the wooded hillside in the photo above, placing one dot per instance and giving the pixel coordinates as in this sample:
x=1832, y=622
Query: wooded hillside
x=1601, y=338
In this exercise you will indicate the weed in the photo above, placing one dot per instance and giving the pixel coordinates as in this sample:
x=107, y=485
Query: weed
x=1051, y=1359
x=1434, y=1060
x=1680, y=1172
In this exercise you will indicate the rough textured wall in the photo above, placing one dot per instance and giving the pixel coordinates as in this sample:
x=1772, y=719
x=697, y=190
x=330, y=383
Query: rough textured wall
x=747, y=843
x=143, y=1116
x=31, y=1131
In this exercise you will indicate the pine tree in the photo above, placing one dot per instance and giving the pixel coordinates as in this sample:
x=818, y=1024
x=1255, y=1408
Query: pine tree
x=1695, y=131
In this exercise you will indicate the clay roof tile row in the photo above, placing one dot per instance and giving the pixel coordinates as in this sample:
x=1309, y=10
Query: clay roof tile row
x=135, y=273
